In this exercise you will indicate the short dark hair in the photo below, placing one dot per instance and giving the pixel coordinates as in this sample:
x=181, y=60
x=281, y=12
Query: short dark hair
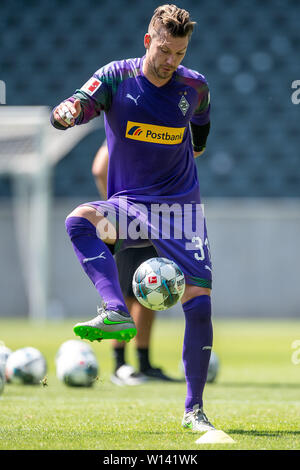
x=175, y=20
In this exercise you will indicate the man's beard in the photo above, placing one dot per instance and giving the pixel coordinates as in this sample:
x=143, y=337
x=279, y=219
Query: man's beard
x=158, y=73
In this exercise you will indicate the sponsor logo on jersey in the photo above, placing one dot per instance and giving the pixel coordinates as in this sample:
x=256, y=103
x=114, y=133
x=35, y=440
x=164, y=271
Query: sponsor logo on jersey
x=154, y=134
x=91, y=86
x=135, y=130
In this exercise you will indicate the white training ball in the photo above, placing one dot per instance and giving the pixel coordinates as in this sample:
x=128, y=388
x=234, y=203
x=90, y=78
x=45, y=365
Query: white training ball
x=76, y=364
x=213, y=368
x=26, y=366
x=158, y=283
x=73, y=345
x=5, y=352
x=2, y=381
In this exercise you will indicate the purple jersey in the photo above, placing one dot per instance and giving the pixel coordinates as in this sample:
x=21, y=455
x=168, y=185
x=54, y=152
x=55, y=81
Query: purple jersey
x=153, y=189
x=147, y=129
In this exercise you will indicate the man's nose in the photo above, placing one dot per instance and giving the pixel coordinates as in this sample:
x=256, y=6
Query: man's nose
x=170, y=60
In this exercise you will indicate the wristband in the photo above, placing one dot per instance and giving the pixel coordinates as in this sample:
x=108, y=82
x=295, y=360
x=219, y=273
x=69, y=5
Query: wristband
x=198, y=148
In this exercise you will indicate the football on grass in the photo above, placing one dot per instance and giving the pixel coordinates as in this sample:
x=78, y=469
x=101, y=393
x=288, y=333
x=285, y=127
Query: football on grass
x=158, y=283
x=2, y=381
x=26, y=366
x=5, y=352
x=213, y=368
x=76, y=364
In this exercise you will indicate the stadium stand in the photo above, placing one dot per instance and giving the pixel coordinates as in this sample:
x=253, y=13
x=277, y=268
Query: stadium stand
x=246, y=49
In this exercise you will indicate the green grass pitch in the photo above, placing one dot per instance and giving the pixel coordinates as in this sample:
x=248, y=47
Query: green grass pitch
x=255, y=399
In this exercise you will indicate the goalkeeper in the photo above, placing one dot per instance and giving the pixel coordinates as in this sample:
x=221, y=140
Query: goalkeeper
x=157, y=119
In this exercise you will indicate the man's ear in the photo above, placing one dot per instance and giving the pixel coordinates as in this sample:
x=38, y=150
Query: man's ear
x=147, y=40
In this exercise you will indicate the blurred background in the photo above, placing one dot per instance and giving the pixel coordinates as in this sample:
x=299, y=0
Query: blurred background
x=249, y=175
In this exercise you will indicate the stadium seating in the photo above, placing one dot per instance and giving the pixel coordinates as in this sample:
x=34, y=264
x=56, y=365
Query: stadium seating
x=248, y=50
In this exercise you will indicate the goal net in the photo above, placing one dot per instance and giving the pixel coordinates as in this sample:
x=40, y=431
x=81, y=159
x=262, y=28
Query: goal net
x=29, y=149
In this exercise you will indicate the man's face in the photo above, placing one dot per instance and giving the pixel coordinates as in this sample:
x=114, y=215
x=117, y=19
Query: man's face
x=164, y=53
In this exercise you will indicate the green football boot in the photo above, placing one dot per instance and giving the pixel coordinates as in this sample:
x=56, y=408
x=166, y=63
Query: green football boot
x=108, y=324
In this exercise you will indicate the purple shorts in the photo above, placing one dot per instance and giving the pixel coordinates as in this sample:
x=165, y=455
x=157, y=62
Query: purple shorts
x=177, y=231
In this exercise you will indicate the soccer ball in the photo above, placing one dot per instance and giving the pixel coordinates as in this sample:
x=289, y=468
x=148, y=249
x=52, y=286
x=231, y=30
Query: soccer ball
x=76, y=364
x=73, y=345
x=5, y=352
x=158, y=283
x=26, y=366
x=213, y=368
x=2, y=381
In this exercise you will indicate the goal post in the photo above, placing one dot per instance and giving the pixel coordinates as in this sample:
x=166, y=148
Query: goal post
x=30, y=147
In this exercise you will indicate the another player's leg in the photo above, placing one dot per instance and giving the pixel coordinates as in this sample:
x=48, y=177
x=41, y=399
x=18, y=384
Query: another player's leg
x=127, y=262
x=144, y=319
x=124, y=373
x=100, y=168
x=113, y=320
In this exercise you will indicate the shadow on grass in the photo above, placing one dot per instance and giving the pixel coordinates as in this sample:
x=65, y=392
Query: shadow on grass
x=256, y=433
x=259, y=385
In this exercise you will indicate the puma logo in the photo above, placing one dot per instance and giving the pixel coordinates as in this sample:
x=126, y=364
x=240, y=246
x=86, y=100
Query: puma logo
x=132, y=98
x=85, y=260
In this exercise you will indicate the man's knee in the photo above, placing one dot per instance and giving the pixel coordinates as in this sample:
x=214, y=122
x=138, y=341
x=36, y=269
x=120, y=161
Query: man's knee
x=105, y=229
x=192, y=291
x=87, y=212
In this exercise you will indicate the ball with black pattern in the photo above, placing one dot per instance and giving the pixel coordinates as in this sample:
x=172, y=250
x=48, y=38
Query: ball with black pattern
x=158, y=283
